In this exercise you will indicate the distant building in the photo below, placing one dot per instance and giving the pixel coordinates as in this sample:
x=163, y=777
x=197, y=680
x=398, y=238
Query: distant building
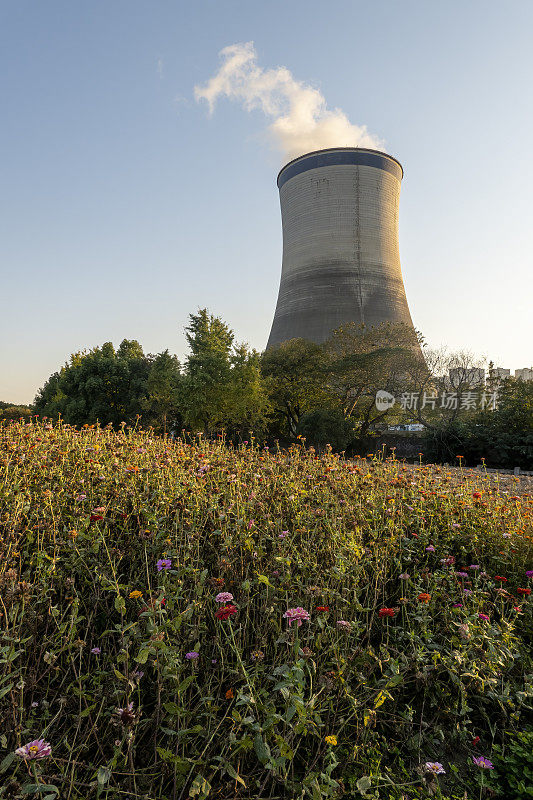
x=463, y=376
x=500, y=373
x=525, y=374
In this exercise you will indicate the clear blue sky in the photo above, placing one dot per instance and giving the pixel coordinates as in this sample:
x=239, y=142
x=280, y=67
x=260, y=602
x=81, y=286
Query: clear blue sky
x=124, y=206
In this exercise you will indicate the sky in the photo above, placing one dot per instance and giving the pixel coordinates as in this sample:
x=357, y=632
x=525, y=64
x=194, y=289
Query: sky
x=125, y=205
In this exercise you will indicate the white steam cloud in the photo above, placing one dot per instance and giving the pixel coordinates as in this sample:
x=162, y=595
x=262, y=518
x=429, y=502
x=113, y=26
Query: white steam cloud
x=301, y=120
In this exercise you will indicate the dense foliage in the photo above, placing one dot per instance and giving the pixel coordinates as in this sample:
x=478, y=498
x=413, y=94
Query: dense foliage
x=500, y=438
x=411, y=586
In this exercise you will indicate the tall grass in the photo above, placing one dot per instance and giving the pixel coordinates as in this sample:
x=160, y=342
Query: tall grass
x=97, y=642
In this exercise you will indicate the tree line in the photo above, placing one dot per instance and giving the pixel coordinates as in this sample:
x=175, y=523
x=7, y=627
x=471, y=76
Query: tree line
x=323, y=393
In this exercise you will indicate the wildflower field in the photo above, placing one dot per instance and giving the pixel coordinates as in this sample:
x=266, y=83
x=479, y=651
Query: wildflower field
x=190, y=620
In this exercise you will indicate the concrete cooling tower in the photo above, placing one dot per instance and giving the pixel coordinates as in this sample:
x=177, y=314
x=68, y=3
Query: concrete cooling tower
x=341, y=260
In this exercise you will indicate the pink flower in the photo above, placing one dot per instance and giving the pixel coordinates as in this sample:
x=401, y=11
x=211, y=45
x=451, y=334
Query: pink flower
x=224, y=597
x=34, y=750
x=430, y=549
x=297, y=615
x=404, y=576
x=96, y=651
x=481, y=761
x=344, y=625
x=484, y=617
x=435, y=767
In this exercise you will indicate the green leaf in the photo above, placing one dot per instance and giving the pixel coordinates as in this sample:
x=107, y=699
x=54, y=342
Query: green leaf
x=38, y=788
x=172, y=708
x=185, y=684
x=120, y=604
x=364, y=784
x=200, y=788
x=6, y=762
x=264, y=579
x=142, y=656
x=261, y=748
x=231, y=772
x=103, y=775
x=5, y=690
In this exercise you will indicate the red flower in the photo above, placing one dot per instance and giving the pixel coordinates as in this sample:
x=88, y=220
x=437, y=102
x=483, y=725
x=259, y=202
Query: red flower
x=500, y=578
x=475, y=740
x=523, y=591
x=95, y=517
x=321, y=608
x=386, y=612
x=225, y=612
x=477, y=495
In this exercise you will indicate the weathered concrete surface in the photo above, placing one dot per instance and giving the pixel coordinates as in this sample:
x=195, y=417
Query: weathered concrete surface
x=341, y=260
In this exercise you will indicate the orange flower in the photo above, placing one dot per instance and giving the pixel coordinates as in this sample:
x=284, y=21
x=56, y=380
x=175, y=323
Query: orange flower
x=229, y=694
x=424, y=597
x=523, y=591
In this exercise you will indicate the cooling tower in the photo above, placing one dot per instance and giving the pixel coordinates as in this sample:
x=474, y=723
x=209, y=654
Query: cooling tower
x=341, y=260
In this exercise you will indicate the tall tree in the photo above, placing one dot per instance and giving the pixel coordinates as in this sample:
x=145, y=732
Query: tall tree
x=99, y=385
x=161, y=403
x=295, y=375
x=360, y=361
x=203, y=394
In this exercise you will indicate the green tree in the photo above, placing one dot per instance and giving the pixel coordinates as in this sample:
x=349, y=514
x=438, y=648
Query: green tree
x=204, y=390
x=295, y=371
x=14, y=412
x=102, y=385
x=248, y=406
x=222, y=386
x=362, y=360
x=161, y=403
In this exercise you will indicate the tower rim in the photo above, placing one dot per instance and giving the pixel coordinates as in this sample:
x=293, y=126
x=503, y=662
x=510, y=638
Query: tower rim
x=339, y=150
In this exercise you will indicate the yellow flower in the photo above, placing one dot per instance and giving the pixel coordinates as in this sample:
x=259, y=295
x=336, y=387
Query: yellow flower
x=135, y=594
x=331, y=740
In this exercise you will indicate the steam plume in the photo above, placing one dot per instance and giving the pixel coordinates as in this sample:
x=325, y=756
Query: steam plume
x=301, y=120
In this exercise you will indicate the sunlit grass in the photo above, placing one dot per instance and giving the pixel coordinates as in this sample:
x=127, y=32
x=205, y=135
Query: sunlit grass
x=97, y=637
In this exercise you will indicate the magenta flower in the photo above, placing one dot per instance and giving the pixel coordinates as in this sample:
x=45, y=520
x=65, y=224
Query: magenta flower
x=529, y=573
x=484, y=617
x=474, y=566
x=224, y=597
x=96, y=651
x=297, y=615
x=164, y=563
x=481, y=761
x=34, y=750
x=435, y=768
x=457, y=605
x=192, y=656
x=344, y=625
x=461, y=574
